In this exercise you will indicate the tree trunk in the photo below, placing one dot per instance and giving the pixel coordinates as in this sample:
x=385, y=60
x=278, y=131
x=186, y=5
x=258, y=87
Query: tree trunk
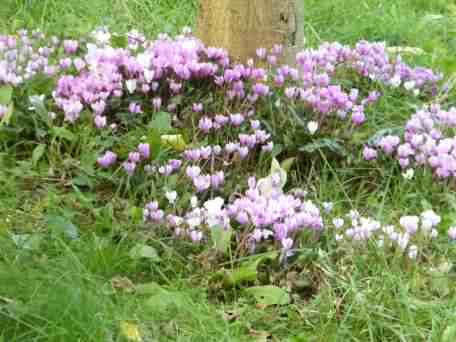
x=242, y=26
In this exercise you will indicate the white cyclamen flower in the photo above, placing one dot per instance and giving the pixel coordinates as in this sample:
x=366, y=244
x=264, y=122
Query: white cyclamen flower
x=312, y=127
x=408, y=174
x=171, y=196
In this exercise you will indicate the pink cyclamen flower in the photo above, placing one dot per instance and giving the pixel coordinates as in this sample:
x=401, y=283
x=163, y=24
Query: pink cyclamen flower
x=70, y=46
x=452, y=233
x=197, y=107
x=100, y=121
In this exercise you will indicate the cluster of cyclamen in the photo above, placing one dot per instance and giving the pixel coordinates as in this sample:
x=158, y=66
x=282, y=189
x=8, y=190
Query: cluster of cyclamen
x=259, y=215
x=406, y=237
x=158, y=70
x=320, y=88
x=27, y=54
x=428, y=141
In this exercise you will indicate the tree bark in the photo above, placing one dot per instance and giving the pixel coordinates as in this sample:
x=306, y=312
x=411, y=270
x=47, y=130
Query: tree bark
x=242, y=26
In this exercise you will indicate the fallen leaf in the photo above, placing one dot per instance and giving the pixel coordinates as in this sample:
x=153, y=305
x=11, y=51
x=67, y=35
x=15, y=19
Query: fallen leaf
x=123, y=284
x=130, y=331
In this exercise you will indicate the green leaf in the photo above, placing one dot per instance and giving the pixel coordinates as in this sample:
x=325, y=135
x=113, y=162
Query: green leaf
x=62, y=225
x=119, y=41
x=7, y=117
x=141, y=251
x=154, y=141
x=247, y=271
x=6, y=94
x=269, y=295
x=277, y=169
x=325, y=143
x=288, y=163
x=27, y=241
x=63, y=133
x=449, y=334
x=38, y=153
x=221, y=238
x=175, y=141
x=161, y=122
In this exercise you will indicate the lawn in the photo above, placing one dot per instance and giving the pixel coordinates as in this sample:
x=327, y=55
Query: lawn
x=82, y=261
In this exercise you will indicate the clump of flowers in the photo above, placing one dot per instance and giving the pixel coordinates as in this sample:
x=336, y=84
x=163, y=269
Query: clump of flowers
x=408, y=235
x=428, y=141
x=263, y=214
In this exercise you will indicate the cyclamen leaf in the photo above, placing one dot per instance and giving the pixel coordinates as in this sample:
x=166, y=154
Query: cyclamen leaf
x=6, y=95
x=175, y=141
x=161, y=122
x=61, y=224
x=38, y=153
x=141, y=251
x=63, y=133
x=277, y=169
x=329, y=144
x=221, y=238
x=269, y=295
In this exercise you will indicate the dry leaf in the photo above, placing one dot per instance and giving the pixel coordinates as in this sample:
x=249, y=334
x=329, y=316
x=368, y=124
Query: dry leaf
x=122, y=284
x=130, y=331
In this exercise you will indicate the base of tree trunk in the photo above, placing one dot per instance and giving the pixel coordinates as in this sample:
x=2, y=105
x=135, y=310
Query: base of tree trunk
x=242, y=26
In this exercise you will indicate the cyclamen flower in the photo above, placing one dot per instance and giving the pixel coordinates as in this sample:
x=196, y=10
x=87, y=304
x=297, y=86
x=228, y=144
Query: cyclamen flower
x=452, y=233
x=100, y=121
x=312, y=127
x=129, y=167
x=157, y=103
x=70, y=46
x=171, y=196
x=338, y=222
x=134, y=157
x=205, y=124
x=144, y=150
x=202, y=182
x=108, y=159
x=369, y=153
x=193, y=171
x=429, y=220
x=410, y=223
x=197, y=107
x=135, y=108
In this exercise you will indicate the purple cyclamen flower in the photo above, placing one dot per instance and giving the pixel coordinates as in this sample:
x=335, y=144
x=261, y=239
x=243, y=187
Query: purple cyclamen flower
x=369, y=153
x=144, y=150
x=358, y=118
x=217, y=179
x=202, y=182
x=129, y=167
x=193, y=171
x=134, y=157
x=260, y=89
x=135, y=108
x=237, y=119
x=108, y=159
x=205, y=124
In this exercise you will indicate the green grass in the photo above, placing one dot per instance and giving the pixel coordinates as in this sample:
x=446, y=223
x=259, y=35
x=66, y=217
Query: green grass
x=61, y=290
